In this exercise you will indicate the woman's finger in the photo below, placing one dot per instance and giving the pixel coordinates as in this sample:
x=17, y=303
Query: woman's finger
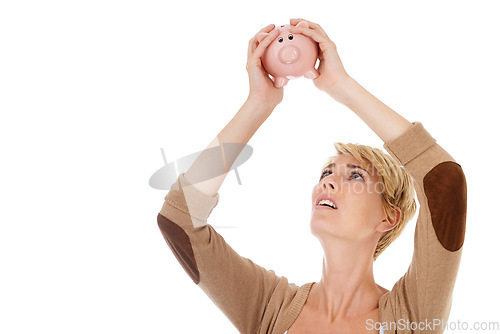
x=314, y=34
x=252, y=44
x=312, y=25
x=261, y=48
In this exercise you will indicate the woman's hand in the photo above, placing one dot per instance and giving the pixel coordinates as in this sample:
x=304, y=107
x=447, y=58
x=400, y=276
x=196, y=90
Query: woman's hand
x=262, y=88
x=331, y=70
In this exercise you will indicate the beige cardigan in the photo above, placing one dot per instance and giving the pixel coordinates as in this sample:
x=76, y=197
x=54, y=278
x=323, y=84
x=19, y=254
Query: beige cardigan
x=256, y=300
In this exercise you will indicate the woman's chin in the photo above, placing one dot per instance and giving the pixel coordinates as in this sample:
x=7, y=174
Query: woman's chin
x=319, y=223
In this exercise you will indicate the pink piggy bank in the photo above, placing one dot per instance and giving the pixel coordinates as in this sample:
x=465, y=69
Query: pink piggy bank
x=290, y=56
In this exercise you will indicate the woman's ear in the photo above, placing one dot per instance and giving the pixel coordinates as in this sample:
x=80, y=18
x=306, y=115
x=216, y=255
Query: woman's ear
x=390, y=223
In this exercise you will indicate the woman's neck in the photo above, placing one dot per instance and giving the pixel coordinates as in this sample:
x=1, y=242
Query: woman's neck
x=347, y=288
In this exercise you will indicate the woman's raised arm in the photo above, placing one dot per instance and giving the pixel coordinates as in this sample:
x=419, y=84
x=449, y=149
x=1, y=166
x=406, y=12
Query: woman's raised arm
x=424, y=292
x=240, y=288
x=335, y=81
x=262, y=99
x=386, y=123
x=239, y=130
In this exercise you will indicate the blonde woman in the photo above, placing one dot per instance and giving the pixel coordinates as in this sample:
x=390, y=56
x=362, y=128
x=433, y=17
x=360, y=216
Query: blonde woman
x=361, y=203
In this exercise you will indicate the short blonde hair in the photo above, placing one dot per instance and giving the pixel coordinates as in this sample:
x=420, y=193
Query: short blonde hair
x=398, y=187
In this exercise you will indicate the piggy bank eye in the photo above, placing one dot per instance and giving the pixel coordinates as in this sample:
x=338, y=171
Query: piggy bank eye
x=280, y=39
x=290, y=37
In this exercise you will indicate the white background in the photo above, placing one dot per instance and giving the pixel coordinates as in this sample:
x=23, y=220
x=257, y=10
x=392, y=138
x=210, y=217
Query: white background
x=91, y=90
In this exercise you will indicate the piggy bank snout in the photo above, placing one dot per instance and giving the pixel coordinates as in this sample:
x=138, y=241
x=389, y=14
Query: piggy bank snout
x=289, y=54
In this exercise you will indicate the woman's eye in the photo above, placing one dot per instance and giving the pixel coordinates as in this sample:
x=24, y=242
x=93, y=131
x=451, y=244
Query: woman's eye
x=359, y=174
x=353, y=174
x=323, y=174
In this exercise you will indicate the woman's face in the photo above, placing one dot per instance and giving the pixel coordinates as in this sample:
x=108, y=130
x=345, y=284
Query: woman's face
x=358, y=197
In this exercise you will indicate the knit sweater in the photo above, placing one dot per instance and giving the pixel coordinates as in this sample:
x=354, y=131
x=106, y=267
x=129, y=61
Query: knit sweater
x=256, y=300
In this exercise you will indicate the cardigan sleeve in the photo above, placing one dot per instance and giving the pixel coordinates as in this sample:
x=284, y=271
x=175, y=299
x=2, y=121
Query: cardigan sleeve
x=424, y=294
x=240, y=288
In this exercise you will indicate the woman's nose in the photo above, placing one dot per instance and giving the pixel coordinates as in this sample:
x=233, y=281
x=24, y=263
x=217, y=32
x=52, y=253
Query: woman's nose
x=328, y=185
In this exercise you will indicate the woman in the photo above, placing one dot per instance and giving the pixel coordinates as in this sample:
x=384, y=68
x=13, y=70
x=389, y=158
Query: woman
x=361, y=203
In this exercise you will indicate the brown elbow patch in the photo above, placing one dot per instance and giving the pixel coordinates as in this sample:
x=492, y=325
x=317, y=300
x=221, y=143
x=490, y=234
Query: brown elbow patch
x=179, y=243
x=446, y=191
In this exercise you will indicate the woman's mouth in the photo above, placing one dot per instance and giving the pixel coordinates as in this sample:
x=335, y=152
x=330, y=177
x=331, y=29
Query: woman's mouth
x=323, y=207
x=326, y=203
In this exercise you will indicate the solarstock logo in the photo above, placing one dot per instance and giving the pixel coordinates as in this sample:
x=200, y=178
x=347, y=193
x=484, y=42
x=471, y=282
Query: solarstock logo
x=435, y=325
x=212, y=164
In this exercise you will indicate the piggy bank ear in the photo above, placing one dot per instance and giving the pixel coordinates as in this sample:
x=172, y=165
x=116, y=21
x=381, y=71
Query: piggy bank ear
x=261, y=36
x=303, y=24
